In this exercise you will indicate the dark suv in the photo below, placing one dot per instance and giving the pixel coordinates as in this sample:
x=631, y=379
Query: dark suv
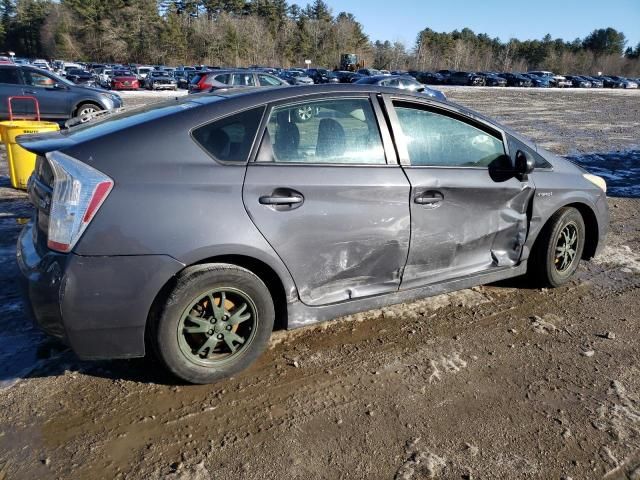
x=58, y=98
x=198, y=225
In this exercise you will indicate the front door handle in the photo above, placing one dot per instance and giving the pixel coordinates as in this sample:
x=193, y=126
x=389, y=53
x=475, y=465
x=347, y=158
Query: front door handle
x=33, y=92
x=431, y=197
x=281, y=200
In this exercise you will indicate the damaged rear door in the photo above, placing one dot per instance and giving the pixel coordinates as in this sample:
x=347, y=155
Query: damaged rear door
x=327, y=193
x=468, y=208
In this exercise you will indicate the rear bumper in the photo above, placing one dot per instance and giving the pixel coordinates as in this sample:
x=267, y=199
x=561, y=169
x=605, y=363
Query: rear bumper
x=97, y=305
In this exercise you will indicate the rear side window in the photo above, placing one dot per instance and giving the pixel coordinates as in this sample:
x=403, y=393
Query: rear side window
x=434, y=139
x=268, y=81
x=319, y=132
x=222, y=78
x=243, y=80
x=230, y=139
x=10, y=76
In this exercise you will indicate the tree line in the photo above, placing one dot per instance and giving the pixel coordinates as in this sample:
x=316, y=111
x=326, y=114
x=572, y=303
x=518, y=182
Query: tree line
x=277, y=33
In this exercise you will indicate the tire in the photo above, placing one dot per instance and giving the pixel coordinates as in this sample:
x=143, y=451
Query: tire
x=202, y=355
x=86, y=109
x=547, y=266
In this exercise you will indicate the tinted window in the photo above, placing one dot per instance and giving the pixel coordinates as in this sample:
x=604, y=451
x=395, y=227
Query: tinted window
x=437, y=140
x=243, y=80
x=10, y=76
x=329, y=131
x=268, y=81
x=230, y=138
x=222, y=78
x=37, y=79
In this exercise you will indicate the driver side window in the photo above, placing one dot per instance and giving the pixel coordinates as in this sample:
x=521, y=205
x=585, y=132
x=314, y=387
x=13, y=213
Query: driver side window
x=437, y=140
x=36, y=79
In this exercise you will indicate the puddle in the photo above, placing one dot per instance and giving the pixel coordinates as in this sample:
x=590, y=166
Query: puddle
x=620, y=169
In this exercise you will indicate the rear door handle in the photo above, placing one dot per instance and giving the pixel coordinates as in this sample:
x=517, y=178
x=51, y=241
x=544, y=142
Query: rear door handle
x=282, y=199
x=430, y=197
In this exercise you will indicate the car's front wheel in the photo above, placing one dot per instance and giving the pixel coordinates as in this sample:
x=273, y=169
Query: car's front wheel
x=558, y=249
x=85, y=109
x=215, y=323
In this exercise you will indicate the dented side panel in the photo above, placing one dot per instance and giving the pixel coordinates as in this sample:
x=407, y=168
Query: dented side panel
x=348, y=238
x=479, y=224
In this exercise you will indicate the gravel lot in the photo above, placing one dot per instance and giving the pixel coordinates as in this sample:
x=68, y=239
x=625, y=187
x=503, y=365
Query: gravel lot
x=491, y=382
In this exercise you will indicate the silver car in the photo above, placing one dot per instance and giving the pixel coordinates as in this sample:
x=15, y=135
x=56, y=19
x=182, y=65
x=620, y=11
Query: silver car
x=58, y=98
x=201, y=224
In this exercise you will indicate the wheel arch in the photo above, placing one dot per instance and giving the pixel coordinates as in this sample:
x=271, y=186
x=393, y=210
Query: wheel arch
x=590, y=224
x=592, y=232
x=262, y=270
x=84, y=101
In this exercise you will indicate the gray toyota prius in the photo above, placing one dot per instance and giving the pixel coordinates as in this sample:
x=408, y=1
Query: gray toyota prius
x=196, y=226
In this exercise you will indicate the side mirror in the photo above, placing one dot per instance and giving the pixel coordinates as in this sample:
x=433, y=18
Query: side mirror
x=525, y=163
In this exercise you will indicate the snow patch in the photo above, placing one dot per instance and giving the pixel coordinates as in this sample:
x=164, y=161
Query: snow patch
x=619, y=256
x=545, y=325
x=446, y=364
x=420, y=464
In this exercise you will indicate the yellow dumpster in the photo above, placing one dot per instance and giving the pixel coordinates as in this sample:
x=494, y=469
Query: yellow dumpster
x=21, y=162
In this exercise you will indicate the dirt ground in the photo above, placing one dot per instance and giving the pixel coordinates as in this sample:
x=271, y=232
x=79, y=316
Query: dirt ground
x=499, y=381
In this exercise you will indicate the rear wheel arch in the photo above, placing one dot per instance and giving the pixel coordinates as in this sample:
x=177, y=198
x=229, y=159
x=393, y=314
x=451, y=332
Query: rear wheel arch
x=259, y=268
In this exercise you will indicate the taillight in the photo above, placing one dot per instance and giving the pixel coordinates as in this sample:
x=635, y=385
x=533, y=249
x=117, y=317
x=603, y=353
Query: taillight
x=78, y=192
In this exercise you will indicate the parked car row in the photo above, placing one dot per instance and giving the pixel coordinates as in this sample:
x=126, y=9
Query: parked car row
x=536, y=78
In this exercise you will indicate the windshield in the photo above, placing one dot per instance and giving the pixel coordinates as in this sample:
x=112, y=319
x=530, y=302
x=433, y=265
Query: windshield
x=123, y=73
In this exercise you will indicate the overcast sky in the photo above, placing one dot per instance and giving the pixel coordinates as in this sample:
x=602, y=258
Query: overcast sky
x=531, y=19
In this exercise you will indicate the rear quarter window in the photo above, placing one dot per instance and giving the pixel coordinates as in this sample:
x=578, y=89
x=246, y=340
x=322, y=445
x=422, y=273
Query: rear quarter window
x=230, y=139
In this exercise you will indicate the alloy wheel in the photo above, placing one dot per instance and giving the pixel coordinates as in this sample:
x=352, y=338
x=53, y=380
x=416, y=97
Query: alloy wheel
x=217, y=326
x=566, y=247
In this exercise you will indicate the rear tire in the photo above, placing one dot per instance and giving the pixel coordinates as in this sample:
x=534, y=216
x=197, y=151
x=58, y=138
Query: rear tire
x=215, y=323
x=558, y=249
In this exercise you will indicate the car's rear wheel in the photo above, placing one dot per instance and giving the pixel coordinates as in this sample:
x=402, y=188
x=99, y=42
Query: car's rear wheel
x=558, y=249
x=215, y=323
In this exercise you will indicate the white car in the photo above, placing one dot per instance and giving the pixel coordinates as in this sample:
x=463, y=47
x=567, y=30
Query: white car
x=43, y=64
x=104, y=77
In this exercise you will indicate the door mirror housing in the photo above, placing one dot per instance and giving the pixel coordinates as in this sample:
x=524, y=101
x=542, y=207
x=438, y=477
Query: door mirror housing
x=525, y=164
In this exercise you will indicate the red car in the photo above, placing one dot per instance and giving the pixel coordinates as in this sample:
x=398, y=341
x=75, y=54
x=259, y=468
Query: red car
x=124, y=80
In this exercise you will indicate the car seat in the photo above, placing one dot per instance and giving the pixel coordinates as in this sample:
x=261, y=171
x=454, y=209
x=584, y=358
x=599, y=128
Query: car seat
x=287, y=139
x=332, y=141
